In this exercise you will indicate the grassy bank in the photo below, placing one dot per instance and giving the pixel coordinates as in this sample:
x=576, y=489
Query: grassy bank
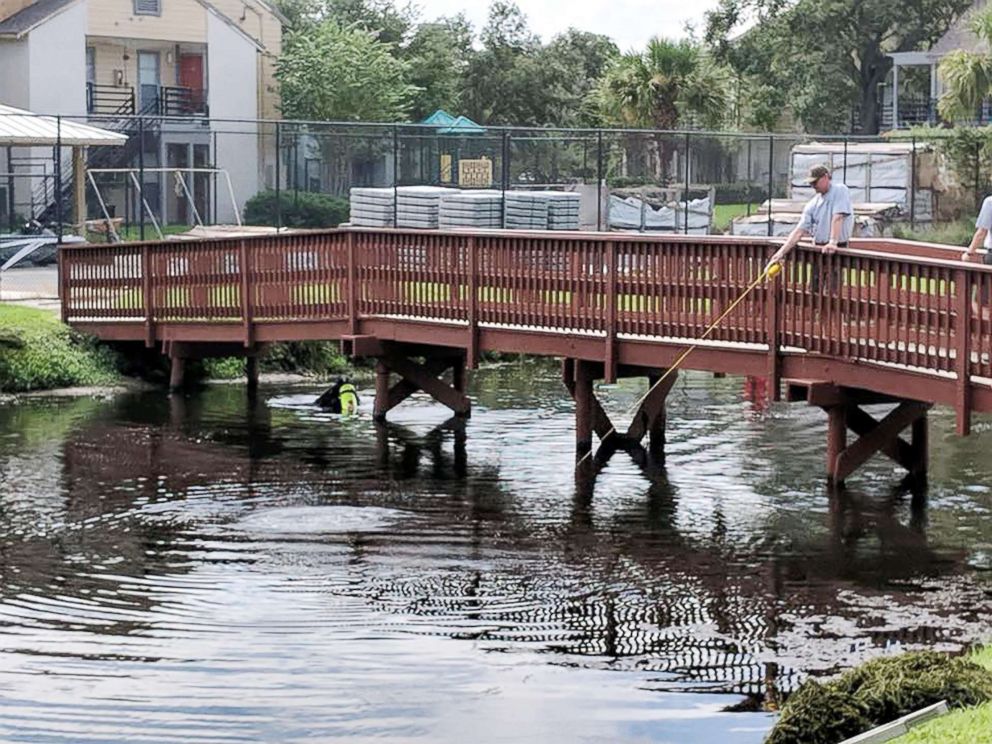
x=37, y=352
x=966, y=726
x=885, y=689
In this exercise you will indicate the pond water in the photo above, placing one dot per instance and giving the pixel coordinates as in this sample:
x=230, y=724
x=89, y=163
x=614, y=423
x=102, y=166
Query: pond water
x=211, y=568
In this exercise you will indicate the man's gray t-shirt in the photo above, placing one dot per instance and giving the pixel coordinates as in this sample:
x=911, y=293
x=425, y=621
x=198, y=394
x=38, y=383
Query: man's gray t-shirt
x=985, y=220
x=820, y=210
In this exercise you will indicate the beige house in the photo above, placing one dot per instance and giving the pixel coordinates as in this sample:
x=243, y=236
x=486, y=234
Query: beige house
x=199, y=72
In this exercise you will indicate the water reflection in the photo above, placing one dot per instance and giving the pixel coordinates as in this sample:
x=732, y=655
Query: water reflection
x=210, y=568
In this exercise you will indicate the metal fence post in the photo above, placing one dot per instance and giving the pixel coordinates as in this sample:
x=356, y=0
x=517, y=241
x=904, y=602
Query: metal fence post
x=396, y=174
x=141, y=176
x=912, y=185
x=506, y=172
x=599, y=180
x=685, y=196
x=278, y=176
x=771, y=178
x=846, y=141
x=58, y=178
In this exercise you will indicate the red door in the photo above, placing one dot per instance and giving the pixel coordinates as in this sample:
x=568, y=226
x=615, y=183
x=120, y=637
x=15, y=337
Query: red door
x=191, y=78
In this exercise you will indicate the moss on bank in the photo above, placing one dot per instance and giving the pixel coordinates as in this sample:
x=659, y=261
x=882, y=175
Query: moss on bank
x=37, y=352
x=879, y=692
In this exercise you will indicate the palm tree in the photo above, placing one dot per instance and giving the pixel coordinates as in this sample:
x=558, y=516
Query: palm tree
x=670, y=84
x=967, y=76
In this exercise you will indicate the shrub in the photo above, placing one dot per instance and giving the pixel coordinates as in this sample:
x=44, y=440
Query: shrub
x=957, y=233
x=879, y=692
x=37, y=352
x=299, y=209
x=312, y=357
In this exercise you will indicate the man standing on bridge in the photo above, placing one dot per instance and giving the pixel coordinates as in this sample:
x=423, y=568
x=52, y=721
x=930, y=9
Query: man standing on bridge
x=828, y=217
x=983, y=235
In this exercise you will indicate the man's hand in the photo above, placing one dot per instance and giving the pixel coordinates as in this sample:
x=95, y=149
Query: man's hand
x=829, y=248
x=970, y=255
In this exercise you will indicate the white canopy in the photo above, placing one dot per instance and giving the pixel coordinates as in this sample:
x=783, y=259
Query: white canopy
x=20, y=128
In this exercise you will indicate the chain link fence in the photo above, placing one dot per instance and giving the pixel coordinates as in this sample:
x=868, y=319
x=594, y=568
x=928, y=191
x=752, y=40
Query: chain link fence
x=206, y=176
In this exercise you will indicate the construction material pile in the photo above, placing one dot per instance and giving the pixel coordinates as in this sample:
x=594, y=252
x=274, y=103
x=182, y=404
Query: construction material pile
x=462, y=210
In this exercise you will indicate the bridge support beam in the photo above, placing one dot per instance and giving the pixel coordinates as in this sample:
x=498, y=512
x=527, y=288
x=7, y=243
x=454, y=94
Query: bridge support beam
x=649, y=420
x=416, y=376
x=845, y=413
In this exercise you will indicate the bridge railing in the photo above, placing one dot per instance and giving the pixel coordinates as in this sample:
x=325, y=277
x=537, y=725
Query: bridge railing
x=884, y=302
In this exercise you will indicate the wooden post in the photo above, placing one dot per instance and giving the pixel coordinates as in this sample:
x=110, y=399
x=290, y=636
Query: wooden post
x=352, y=288
x=473, y=304
x=836, y=440
x=921, y=447
x=962, y=351
x=773, y=331
x=251, y=371
x=381, y=392
x=583, y=409
x=612, y=270
x=177, y=373
x=458, y=374
x=656, y=432
x=79, y=189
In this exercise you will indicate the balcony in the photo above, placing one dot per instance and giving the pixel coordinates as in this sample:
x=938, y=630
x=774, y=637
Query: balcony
x=921, y=111
x=110, y=100
x=177, y=101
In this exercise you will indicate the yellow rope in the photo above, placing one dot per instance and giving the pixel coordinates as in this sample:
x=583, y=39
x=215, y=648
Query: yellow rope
x=770, y=272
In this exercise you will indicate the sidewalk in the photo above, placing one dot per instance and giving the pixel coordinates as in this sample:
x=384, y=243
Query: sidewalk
x=37, y=287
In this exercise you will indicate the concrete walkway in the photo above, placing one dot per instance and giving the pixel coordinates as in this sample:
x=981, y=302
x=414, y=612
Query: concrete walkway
x=36, y=287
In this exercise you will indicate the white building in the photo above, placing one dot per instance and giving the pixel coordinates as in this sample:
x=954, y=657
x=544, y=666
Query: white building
x=197, y=73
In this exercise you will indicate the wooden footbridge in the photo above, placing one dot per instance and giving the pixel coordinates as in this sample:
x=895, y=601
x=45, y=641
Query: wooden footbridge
x=883, y=322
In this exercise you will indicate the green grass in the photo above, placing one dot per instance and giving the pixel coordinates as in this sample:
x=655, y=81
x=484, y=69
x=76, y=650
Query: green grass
x=957, y=233
x=38, y=352
x=968, y=726
x=724, y=214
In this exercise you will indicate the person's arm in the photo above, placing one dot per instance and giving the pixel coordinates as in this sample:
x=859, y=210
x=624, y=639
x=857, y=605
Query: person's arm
x=798, y=233
x=977, y=241
x=982, y=226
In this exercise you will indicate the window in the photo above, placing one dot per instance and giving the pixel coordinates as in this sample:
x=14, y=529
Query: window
x=148, y=7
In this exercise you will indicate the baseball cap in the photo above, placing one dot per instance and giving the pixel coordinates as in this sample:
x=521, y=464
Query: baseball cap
x=816, y=173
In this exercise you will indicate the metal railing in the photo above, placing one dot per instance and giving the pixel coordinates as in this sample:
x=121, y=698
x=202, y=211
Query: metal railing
x=110, y=100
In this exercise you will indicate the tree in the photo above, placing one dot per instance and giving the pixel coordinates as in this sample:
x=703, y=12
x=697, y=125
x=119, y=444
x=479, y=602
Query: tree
x=968, y=75
x=381, y=17
x=438, y=55
x=572, y=65
x=666, y=86
x=824, y=58
x=341, y=73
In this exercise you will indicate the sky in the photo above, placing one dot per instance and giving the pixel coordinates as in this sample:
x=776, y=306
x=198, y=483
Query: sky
x=630, y=23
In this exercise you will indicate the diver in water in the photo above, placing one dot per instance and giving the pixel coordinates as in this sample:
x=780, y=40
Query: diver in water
x=340, y=398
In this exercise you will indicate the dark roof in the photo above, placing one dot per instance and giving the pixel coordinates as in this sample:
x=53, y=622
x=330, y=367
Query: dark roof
x=25, y=20
x=960, y=35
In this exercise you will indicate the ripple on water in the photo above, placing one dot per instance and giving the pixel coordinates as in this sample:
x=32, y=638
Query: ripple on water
x=318, y=520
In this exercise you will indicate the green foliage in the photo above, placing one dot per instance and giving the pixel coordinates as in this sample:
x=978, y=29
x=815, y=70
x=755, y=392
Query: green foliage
x=967, y=150
x=40, y=353
x=967, y=75
x=333, y=72
x=305, y=357
x=666, y=86
x=299, y=209
x=879, y=692
x=225, y=368
x=821, y=59
x=957, y=233
x=438, y=55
